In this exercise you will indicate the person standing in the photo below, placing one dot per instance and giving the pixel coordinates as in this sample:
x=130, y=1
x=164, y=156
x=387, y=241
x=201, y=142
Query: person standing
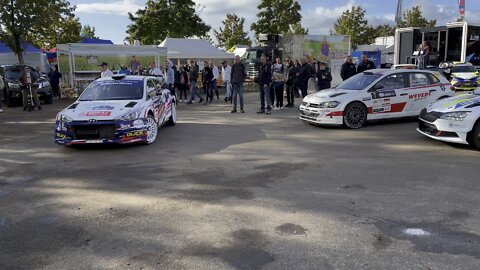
x=365, y=65
x=290, y=86
x=226, y=74
x=207, y=77
x=194, y=70
x=2, y=88
x=296, y=84
x=239, y=75
x=134, y=65
x=324, y=77
x=54, y=77
x=348, y=69
x=154, y=70
x=26, y=79
x=425, y=53
x=124, y=70
x=278, y=77
x=304, y=74
x=106, y=72
x=182, y=84
x=170, y=77
x=264, y=81
x=215, y=75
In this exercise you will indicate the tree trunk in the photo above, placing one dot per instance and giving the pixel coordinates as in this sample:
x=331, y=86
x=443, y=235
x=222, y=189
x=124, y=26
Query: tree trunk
x=18, y=49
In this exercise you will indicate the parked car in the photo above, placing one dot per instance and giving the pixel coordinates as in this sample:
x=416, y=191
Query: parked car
x=454, y=120
x=465, y=77
x=12, y=93
x=117, y=110
x=375, y=94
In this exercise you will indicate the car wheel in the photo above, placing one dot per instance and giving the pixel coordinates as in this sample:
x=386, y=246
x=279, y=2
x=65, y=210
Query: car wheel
x=49, y=99
x=152, y=129
x=475, y=136
x=173, y=118
x=355, y=115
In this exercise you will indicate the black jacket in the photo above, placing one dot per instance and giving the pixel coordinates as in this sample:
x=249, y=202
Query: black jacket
x=239, y=73
x=265, y=74
x=365, y=66
x=348, y=70
x=207, y=75
x=304, y=73
x=291, y=73
x=324, y=79
x=194, y=73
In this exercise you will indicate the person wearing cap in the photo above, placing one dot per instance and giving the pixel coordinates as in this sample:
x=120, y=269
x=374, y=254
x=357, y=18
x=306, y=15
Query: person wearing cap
x=226, y=74
x=106, y=72
x=324, y=77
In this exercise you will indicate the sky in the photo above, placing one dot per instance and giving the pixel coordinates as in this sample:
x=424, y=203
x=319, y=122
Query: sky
x=110, y=19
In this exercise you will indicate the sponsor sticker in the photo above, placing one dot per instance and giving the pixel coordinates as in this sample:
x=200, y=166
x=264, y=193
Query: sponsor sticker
x=96, y=113
x=102, y=108
x=61, y=136
x=135, y=133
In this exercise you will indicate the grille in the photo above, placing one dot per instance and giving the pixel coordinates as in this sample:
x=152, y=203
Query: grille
x=428, y=128
x=431, y=116
x=92, y=132
x=311, y=105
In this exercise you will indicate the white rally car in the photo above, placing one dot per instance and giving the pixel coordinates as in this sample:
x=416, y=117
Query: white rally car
x=117, y=110
x=375, y=94
x=454, y=120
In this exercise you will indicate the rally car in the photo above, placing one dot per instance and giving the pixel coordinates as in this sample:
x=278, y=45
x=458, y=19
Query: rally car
x=117, y=110
x=454, y=120
x=375, y=94
x=465, y=77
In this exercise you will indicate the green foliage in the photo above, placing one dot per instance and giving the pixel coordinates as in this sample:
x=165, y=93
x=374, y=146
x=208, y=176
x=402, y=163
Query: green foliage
x=353, y=23
x=26, y=20
x=384, y=30
x=165, y=18
x=88, y=32
x=414, y=18
x=232, y=32
x=278, y=17
x=64, y=30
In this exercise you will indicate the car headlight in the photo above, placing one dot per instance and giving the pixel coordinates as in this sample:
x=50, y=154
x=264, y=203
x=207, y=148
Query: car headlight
x=455, y=116
x=329, y=104
x=130, y=116
x=64, y=118
x=13, y=85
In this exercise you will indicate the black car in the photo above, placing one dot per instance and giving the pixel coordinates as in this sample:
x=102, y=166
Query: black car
x=13, y=91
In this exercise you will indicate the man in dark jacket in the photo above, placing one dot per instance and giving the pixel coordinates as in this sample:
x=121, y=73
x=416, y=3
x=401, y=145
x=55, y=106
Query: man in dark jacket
x=194, y=70
x=264, y=81
x=239, y=75
x=290, y=79
x=304, y=74
x=207, y=77
x=348, y=69
x=324, y=77
x=54, y=77
x=365, y=64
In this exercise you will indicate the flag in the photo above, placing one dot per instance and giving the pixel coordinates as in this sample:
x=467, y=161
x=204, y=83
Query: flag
x=461, y=6
x=398, y=15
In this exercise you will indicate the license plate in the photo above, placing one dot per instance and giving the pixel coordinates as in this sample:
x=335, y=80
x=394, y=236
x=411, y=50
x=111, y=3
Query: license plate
x=94, y=141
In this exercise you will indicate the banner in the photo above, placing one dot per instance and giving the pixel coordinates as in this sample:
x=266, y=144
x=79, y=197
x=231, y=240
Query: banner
x=461, y=6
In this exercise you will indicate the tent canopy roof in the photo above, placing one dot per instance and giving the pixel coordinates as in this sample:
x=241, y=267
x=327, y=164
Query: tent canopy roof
x=28, y=48
x=110, y=49
x=186, y=48
x=96, y=41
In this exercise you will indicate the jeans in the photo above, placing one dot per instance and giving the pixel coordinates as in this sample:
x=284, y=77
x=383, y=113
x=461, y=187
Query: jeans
x=213, y=86
x=265, y=102
x=272, y=94
x=194, y=92
x=228, y=88
x=278, y=86
x=238, y=90
x=291, y=94
x=182, y=89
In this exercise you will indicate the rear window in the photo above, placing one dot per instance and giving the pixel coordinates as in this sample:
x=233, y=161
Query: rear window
x=418, y=79
x=463, y=69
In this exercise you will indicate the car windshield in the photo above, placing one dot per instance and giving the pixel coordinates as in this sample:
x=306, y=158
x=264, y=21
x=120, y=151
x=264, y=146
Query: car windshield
x=359, y=81
x=463, y=69
x=14, y=73
x=113, y=90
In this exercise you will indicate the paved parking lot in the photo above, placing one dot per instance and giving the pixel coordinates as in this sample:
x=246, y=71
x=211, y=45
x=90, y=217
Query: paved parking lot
x=237, y=191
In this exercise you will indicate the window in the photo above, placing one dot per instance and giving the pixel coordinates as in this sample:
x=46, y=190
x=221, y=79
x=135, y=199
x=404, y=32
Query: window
x=418, y=79
x=151, y=88
x=359, y=81
x=434, y=78
x=392, y=82
x=113, y=90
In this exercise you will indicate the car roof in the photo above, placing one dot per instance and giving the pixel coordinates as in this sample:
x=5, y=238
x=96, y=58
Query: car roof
x=130, y=77
x=392, y=71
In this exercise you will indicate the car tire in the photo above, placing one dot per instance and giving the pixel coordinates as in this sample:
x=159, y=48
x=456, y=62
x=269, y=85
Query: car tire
x=355, y=115
x=49, y=99
x=152, y=129
x=475, y=135
x=172, y=121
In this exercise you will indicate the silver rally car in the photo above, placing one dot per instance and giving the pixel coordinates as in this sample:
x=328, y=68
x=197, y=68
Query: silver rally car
x=117, y=110
x=454, y=120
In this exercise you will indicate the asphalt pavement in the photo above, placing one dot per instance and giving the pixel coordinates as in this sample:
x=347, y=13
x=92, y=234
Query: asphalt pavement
x=237, y=191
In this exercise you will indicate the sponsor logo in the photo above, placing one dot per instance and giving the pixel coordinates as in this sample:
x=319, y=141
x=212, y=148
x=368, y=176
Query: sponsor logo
x=61, y=136
x=419, y=96
x=135, y=133
x=102, y=108
x=96, y=113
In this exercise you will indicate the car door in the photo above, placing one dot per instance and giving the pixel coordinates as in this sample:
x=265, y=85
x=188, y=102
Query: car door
x=153, y=98
x=387, y=99
x=420, y=89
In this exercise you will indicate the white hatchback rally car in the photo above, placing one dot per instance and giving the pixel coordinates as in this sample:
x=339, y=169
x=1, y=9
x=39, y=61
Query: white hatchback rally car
x=117, y=110
x=454, y=120
x=373, y=95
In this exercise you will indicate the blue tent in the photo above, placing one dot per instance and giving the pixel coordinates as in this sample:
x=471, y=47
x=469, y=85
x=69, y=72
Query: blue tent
x=96, y=41
x=26, y=48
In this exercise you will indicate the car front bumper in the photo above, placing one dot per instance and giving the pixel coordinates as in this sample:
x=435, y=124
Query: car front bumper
x=101, y=132
x=321, y=116
x=444, y=130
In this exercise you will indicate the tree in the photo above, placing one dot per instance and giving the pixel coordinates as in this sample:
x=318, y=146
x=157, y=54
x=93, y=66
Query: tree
x=353, y=23
x=19, y=17
x=64, y=30
x=88, y=32
x=278, y=17
x=384, y=30
x=165, y=18
x=232, y=32
x=414, y=18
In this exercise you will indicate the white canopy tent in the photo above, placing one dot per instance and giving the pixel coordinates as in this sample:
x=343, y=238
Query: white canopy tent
x=185, y=48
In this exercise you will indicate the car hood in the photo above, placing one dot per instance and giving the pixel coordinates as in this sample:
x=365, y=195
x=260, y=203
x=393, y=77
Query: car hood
x=100, y=110
x=457, y=103
x=464, y=75
x=331, y=95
